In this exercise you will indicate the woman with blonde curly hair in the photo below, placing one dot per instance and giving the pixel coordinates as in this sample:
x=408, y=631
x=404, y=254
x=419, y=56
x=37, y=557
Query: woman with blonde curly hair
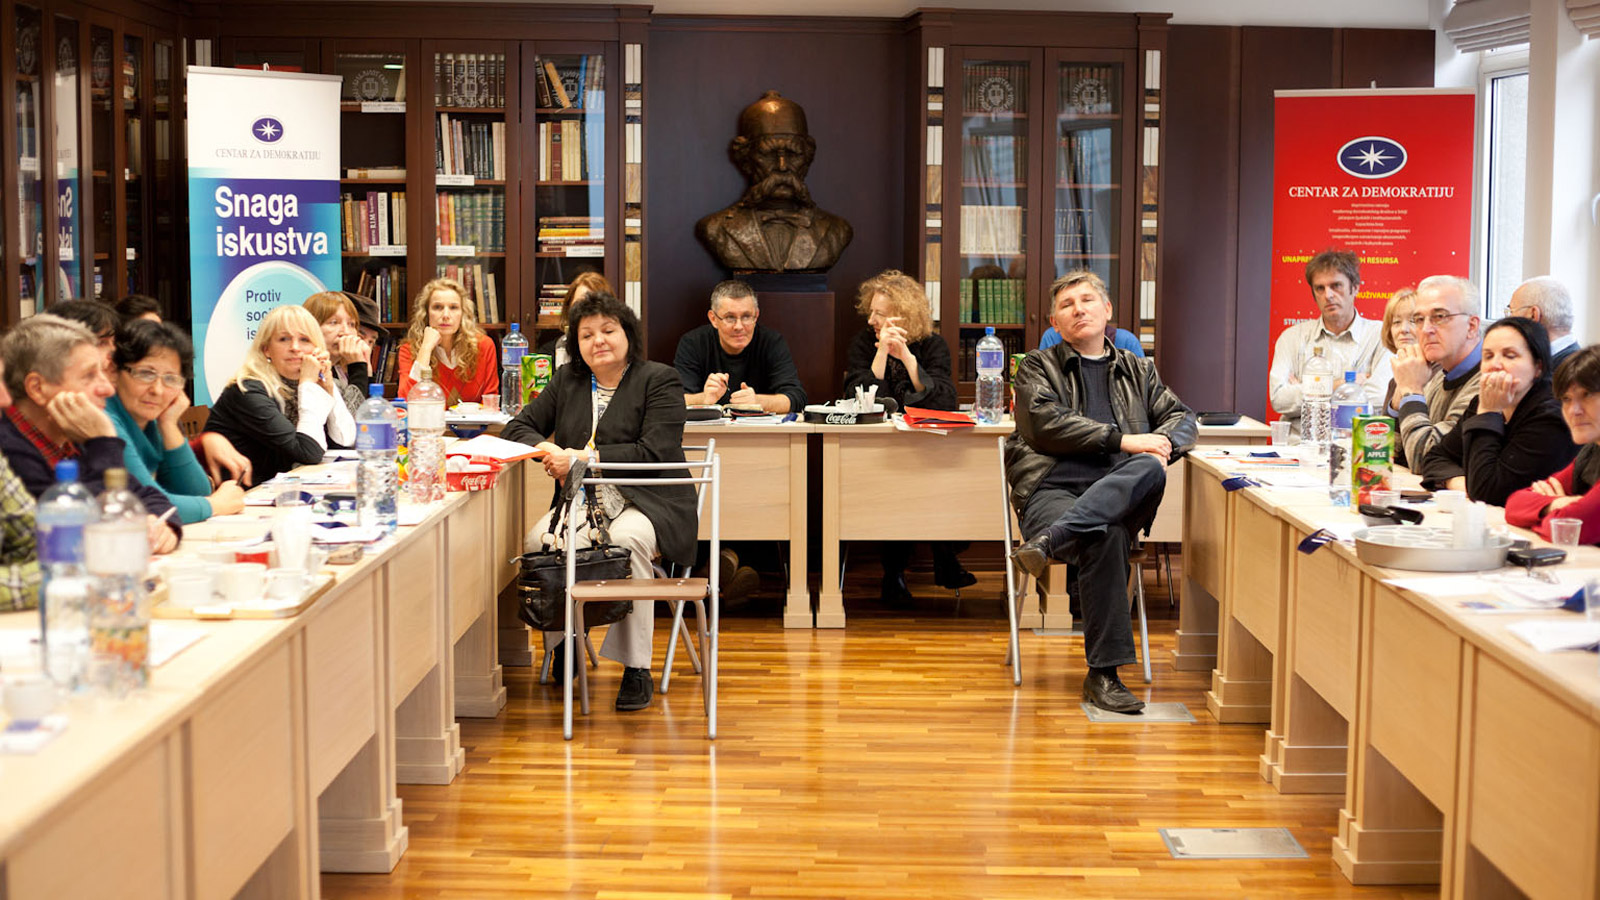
x=445, y=337
x=900, y=353
x=282, y=408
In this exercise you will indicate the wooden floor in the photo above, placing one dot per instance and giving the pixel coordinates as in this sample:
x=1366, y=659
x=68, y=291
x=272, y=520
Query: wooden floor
x=893, y=759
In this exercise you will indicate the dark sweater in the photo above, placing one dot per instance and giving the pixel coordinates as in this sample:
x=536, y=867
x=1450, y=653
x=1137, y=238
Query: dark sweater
x=261, y=431
x=933, y=365
x=1498, y=457
x=1074, y=472
x=95, y=456
x=765, y=364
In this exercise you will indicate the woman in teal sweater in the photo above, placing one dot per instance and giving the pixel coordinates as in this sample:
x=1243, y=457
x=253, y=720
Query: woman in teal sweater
x=151, y=360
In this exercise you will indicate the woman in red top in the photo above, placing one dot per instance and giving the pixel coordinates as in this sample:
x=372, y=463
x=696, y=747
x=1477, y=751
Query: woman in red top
x=1570, y=493
x=444, y=332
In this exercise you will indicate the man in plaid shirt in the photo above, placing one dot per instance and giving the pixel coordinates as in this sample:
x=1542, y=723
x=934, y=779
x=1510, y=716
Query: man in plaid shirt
x=19, y=557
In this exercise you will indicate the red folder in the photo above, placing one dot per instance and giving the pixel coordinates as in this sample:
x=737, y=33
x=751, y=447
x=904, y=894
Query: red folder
x=939, y=419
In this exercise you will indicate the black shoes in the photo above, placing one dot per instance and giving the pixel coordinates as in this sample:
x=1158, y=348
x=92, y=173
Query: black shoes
x=895, y=592
x=1110, y=694
x=1034, y=556
x=953, y=577
x=636, y=690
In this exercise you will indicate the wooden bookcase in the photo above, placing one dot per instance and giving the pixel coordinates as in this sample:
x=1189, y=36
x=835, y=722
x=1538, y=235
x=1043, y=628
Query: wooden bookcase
x=1037, y=152
x=92, y=126
x=470, y=151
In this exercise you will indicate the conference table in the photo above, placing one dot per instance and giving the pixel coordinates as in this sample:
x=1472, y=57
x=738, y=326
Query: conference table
x=1464, y=756
x=268, y=750
x=880, y=483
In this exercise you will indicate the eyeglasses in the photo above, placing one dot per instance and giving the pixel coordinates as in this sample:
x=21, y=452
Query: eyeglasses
x=1437, y=318
x=746, y=319
x=151, y=376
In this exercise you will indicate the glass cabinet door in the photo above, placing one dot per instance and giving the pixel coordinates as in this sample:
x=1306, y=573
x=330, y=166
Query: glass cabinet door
x=992, y=228
x=131, y=89
x=372, y=148
x=30, y=186
x=570, y=190
x=102, y=157
x=1087, y=226
x=64, y=150
x=470, y=201
x=165, y=265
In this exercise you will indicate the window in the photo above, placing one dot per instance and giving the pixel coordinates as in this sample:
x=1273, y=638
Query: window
x=1505, y=153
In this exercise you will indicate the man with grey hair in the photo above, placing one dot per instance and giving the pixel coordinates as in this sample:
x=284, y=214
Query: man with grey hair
x=1548, y=302
x=731, y=361
x=57, y=379
x=1437, y=377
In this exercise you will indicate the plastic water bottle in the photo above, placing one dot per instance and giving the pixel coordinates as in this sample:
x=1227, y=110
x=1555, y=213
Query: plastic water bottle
x=512, y=349
x=1348, y=401
x=117, y=552
x=378, y=473
x=64, y=511
x=425, y=461
x=991, y=400
x=1316, y=407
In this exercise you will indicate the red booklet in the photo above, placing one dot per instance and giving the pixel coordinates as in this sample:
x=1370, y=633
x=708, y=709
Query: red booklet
x=940, y=419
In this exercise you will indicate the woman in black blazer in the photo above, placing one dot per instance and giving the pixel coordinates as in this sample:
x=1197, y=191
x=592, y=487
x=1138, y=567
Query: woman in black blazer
x=640, y=419
x=1512, y=434
x=901, y=354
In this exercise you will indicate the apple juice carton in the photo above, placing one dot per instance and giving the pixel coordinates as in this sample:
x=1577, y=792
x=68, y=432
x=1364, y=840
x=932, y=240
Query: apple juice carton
x=1372, y=455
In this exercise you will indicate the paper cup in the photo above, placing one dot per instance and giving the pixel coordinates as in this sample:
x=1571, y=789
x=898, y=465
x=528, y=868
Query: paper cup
x=186, y=591
x=241, y=583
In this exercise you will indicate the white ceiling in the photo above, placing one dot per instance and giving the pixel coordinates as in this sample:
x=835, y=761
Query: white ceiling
x=1313, y=13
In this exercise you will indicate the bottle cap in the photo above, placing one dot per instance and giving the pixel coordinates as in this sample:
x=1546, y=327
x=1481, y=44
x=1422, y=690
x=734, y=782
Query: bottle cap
x=67, y=470
x=116, y=479
x=988, y=330
x=516, y=326
x=375, y=390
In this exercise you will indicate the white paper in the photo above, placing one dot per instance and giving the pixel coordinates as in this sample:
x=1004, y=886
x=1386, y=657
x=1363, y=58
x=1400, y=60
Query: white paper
x=20, y=741
x=168, y=639
x=488, y=445
x=1550, y=635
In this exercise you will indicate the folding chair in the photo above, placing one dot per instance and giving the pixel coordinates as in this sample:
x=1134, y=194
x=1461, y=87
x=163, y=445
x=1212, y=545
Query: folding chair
x=1017, y=582
x=678, y=626
x=670, y=589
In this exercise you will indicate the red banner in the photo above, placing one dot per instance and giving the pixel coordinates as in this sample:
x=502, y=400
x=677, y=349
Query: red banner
x=1385, y=174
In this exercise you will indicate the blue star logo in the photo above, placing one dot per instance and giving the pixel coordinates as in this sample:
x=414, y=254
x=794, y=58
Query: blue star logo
x=1372, y=157
x=267, y=130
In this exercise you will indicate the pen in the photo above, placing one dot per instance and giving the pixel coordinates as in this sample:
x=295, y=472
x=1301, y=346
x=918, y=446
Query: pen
x=167, y=515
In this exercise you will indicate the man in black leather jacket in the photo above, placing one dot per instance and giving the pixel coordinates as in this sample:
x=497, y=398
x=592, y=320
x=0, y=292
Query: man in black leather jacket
x=1096, y=430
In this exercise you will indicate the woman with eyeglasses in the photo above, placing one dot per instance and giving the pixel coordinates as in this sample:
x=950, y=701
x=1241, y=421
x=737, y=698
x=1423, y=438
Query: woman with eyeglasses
x=1511, y=434
x=151, y=362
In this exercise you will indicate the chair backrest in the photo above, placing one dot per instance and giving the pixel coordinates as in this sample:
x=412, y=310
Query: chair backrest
x=705, y=452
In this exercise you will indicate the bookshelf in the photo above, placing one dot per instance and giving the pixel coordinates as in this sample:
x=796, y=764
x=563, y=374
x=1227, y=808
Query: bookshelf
x=570, y=185
x=27, y=188
x=166, y=273
x=66, y=158
x=1038, y=153
x=119, y=177
x=471, y=88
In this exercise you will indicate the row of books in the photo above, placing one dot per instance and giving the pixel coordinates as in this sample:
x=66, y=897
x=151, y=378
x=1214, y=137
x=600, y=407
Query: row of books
x=994, y=87
x=386, y=362
x=475, y=218
x=480, y=287
x=385, y=283
x=469, y=79
x=469, y=148
x=1014, y=342
x=992, y=301
x=563, y=152
x=577, y=83
x=994, y=157
x=1085, y=156
x=559, y=233
x=1083, y=230
x=991, y=230
x=377, y=217
x=1090, y=90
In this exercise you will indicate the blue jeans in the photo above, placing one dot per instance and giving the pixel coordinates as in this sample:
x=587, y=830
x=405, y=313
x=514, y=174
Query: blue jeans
x=1093, y=530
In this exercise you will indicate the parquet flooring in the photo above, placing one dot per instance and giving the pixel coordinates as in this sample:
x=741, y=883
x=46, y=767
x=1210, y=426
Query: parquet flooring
x=892, y=759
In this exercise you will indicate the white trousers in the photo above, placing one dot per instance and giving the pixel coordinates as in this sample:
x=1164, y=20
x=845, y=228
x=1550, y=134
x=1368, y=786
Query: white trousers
x=630, y=641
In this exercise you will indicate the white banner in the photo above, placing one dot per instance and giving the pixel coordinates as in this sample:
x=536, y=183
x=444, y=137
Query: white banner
x=263, y=205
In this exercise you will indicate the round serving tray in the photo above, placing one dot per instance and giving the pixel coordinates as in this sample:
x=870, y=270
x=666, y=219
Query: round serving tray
x=820, y=414
x=1424, y=549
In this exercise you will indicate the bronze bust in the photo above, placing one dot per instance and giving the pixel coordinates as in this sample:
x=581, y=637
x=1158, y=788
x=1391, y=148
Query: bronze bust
x=775, y=226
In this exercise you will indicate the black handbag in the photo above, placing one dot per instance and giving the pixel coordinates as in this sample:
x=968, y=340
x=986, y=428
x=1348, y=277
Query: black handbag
x=542, y=582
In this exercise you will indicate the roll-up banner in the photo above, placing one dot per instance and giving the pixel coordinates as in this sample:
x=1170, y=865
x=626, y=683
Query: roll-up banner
x=263, y=205
x=1385, y=174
